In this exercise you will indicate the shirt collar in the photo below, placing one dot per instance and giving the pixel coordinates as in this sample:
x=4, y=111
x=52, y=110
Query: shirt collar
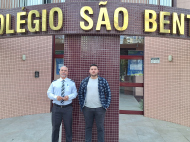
x=62, y=79
x=99, y=78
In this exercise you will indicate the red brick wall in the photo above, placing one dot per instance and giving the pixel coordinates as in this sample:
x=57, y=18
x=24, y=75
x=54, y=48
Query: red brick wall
x=22, y=93
x=80, y=52
x=166, y=85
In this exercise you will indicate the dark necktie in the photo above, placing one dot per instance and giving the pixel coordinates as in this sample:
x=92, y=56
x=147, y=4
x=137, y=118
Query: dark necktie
x=63, y=90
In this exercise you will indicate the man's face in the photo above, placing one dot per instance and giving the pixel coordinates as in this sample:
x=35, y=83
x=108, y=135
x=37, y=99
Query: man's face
x=93, y=71
x=63, y=72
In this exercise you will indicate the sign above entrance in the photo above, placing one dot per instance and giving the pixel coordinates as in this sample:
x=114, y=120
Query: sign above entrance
x=33, y=25
x=96, y=18
x=103, y=14
x=177, y=23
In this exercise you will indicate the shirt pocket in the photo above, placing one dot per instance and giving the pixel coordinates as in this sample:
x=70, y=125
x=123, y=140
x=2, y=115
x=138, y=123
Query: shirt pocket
x=68, y=89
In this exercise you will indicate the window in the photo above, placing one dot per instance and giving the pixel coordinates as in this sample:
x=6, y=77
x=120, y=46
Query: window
x=47, y=1
x=166, y=2
x=32, y=2
x=161, y=2
x=6, y=4
x=153, y=2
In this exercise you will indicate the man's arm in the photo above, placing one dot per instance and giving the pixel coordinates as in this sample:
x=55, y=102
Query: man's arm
x=80, y=94
x=108, y=94
x=50, y=93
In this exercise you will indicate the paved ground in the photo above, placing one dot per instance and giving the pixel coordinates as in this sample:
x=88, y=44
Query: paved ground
x=133, y=128
x=128, y=102
x=137, y=128
x=30, y=128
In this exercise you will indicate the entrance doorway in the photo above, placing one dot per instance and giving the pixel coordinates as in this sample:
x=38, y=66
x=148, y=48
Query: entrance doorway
x=131, y=71
x=58, y=56
x=131, y=75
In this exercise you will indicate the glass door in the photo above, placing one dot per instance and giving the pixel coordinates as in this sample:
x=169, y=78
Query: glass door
x=57, y=57
x=131, y=75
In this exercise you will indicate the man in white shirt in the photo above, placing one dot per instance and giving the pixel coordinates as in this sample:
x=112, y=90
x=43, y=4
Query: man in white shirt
x=62, y=91
x=94, y=99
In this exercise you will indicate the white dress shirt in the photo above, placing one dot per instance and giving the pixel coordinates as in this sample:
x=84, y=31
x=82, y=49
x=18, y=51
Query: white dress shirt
x=55, y=90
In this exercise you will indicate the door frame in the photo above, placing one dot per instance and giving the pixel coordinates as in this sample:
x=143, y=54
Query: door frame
x=131, y=57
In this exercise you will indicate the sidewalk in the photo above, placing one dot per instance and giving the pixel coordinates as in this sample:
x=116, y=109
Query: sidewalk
x=133, y=128
x=137, y=128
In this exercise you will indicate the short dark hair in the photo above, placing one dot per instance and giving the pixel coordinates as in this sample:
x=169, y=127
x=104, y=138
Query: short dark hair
x=93, y=65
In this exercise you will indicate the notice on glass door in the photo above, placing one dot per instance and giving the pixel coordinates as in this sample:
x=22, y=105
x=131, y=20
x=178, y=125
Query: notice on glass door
x=135, y=67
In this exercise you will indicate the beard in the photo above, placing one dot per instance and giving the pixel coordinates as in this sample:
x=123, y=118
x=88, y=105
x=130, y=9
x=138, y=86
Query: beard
x=94, y=75
x=63, y=75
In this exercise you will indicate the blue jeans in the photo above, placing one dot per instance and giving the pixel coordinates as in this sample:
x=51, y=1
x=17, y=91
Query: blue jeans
x=89, y=115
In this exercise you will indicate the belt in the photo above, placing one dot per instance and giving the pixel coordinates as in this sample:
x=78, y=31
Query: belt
x=63, y=106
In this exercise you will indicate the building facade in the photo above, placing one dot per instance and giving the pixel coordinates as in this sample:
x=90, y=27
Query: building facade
x=147, y=70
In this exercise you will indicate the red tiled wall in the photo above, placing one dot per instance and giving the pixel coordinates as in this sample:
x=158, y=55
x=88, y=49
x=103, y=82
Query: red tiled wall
x=80, y=52
x=22, y=93
x=166, y=85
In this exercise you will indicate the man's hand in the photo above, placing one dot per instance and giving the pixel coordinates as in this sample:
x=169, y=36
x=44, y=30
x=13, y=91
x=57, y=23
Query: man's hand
x=59, y=98
x=65, y=98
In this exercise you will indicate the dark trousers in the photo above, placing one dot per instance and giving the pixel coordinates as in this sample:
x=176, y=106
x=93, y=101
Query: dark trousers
x=89, y=115
x=59, y=114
